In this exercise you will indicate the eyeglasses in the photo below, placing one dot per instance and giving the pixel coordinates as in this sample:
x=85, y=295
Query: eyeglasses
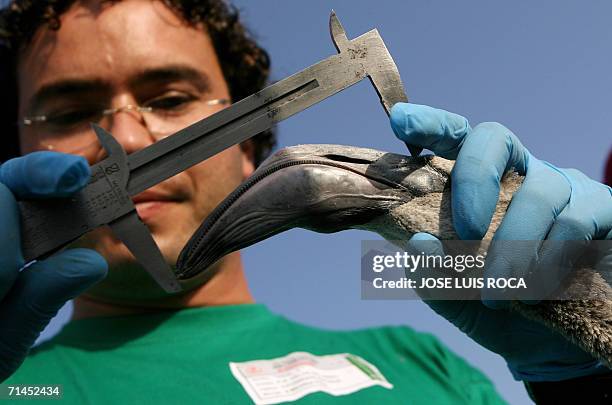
x=70, y=130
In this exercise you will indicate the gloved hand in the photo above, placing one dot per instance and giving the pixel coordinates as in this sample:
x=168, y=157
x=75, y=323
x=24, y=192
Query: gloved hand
x=552, y=203
x=30, y=298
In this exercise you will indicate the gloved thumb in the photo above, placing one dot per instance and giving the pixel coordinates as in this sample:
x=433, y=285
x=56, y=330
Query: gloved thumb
x=38, y=293
x=425, y=243
x=45, y=174
x=428, y=245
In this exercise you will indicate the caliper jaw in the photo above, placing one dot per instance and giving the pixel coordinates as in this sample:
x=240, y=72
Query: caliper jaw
x=103, y=201
x=129, y=229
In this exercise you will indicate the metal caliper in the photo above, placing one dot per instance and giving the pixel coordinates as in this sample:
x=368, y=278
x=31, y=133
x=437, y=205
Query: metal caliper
x=50, y=225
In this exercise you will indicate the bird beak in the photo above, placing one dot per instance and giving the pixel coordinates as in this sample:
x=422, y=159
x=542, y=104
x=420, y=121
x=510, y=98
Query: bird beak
x=324, y=188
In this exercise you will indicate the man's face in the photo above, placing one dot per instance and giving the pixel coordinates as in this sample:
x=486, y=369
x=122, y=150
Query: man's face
x=129, y=53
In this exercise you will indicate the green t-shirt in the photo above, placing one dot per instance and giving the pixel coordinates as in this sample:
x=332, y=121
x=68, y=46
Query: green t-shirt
x=183, y=357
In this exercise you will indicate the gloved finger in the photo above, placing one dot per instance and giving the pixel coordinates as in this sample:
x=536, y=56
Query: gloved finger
x=38, y=293
x=440, y=131
x=426, y=245
x=11, y=258
x=460, y=312
x=535, y=206
x=45, y=174
x=587, y=216
x=464, y=314
x=486, y=154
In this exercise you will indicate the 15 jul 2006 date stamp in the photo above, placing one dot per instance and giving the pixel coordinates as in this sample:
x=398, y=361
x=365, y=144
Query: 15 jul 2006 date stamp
x=22, y=391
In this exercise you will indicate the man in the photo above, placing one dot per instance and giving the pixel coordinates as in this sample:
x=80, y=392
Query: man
x=143, y=69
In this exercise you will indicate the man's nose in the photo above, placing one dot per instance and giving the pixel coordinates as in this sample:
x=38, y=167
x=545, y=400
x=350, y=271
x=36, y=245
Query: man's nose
x=129, y=128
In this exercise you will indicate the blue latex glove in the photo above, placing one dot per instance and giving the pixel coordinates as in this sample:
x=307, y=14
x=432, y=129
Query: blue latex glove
x=552, y=203
x=30, y=298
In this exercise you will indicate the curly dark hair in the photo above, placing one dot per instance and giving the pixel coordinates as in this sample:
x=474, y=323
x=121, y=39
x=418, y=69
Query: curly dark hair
x=244, y=63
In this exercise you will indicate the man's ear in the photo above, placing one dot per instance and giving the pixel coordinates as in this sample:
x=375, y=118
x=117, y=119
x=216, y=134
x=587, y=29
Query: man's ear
x=248, y=158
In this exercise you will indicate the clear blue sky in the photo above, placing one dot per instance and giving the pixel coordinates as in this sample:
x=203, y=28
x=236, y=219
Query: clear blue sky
x=541, y=68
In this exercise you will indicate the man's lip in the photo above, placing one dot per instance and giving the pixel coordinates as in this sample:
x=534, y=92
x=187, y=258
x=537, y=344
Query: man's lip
x=152, y=196
x=149, y=209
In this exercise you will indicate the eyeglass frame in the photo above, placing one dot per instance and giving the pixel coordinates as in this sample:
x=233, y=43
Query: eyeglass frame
x=34, y=119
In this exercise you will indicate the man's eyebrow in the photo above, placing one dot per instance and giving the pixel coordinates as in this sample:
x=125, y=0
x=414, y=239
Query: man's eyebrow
x=170, y=73
x=67, y=88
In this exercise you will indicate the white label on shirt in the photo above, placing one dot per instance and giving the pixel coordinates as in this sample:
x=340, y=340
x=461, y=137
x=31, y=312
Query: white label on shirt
x=299, y=373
